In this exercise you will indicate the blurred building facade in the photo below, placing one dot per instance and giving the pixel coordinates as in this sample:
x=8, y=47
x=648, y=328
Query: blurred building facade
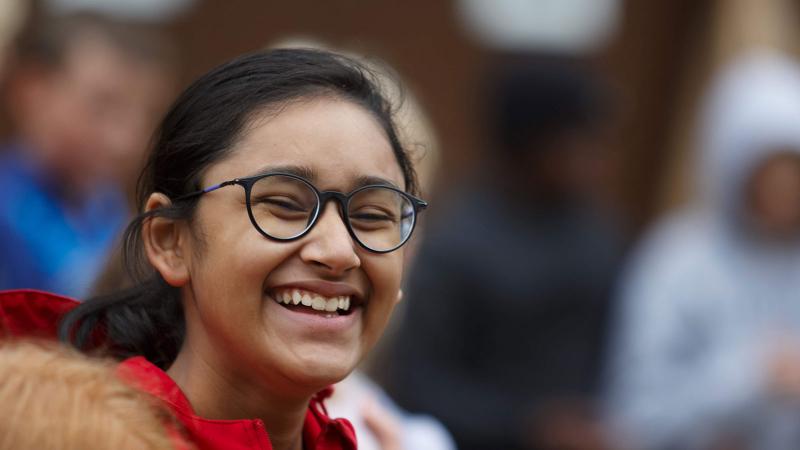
x=645, y=57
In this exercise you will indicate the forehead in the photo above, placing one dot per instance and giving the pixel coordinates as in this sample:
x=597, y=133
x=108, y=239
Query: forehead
x=337, y=140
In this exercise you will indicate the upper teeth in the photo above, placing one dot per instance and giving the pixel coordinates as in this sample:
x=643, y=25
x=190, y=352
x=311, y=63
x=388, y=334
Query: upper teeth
x=314, y=300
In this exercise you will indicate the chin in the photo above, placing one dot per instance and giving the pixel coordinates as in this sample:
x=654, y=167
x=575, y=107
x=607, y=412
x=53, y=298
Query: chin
x=318, y=373
x=315, y=381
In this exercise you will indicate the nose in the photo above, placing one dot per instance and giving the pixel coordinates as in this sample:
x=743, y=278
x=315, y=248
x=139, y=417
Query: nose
x=329, y=244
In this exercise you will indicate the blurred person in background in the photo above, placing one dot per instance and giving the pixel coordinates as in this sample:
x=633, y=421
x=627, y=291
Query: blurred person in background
x=84, y=94
x=506, y=319
x=55, y=398
x=707, y=354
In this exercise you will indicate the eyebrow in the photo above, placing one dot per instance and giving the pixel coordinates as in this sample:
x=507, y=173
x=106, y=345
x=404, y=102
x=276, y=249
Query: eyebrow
x=367, y=180
x=309, y=174
x=300, y=171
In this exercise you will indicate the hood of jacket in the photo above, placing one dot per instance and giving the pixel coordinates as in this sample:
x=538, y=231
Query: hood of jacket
x=751, y=111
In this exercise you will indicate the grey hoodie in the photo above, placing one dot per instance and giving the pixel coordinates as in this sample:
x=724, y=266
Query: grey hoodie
x=704, y=299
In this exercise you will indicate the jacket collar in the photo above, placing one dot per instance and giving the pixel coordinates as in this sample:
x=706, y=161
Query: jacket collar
x=32, y=314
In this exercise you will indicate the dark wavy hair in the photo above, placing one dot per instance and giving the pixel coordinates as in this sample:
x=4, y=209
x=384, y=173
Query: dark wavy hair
x=200, y=129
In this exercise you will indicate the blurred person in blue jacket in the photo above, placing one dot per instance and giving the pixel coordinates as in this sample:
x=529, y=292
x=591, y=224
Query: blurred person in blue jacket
x=83, y=96
x=507, y=301
x=707, y=354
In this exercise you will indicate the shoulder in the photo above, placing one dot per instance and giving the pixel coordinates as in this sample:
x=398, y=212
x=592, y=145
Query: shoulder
x=15, y=170
x=678, y=246
x=32, y=313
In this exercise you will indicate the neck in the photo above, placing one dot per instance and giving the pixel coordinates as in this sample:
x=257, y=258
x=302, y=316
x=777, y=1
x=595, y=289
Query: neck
x=215, y=394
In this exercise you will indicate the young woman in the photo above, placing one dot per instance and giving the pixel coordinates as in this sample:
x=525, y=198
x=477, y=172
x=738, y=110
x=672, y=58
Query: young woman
x=269, y=252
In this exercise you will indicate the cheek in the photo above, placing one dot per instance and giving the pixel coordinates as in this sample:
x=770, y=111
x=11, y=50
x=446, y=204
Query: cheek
x=776, y=193
x=385, y=273
x=241, y=265
x=230, y=301
x=233, y=262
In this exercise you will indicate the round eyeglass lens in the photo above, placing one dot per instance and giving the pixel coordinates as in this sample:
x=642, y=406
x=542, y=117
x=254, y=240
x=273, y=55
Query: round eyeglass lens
x=381, y=218
x=283, y=207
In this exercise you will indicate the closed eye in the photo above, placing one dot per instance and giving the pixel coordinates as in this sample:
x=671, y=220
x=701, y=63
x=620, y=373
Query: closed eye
x=282, y=202
x=373, y=216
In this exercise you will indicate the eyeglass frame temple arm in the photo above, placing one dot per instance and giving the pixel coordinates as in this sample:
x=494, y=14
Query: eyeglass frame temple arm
x=208, y=189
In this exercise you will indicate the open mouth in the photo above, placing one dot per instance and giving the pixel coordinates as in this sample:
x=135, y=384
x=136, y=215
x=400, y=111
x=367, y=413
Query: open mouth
x=308, y=302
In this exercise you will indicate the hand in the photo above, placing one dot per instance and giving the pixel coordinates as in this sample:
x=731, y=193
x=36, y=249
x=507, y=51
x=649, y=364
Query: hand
x=382, y=423
x=567, y=425
x=784, y=370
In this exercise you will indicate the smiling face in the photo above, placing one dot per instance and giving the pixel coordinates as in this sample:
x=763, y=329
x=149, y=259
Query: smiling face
x=773, y=195
x=236, y=276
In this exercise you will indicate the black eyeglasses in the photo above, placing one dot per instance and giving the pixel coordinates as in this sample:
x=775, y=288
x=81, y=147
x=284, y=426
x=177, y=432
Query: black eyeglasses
x=285, y=207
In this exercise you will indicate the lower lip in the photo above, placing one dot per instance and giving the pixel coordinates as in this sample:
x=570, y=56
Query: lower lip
x=316, y=323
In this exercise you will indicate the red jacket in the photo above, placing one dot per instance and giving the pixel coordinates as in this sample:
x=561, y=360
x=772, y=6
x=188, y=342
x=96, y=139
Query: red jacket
x=28, y=313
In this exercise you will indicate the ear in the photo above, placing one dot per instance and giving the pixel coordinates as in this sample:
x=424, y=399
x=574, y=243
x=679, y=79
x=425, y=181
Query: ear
x=164, y=241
